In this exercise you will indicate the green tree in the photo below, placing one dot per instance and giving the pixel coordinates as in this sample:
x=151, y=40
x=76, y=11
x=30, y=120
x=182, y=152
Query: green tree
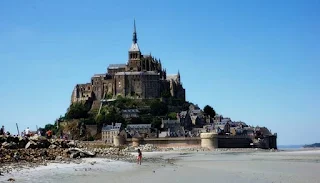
x=172, y=115
x=108, y=116
x=51, y=127
x=158, y=108
x=77, y=111
x=156, y=123
x=208, y=110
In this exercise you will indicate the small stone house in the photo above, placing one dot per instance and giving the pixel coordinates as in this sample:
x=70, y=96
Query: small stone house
x=130, y=113
x=109, y=131
x=142, y=129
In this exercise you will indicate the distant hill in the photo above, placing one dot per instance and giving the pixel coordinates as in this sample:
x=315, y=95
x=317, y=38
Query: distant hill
x=312, y=145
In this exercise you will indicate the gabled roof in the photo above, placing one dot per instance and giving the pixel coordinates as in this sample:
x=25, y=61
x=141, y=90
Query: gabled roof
x=136, y=73
x=130, y=111
x=116, y=126
x=139, y=126
x=99, y=75
x=117, y=66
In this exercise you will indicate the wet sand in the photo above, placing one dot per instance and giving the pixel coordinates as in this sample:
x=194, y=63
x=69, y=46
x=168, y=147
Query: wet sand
x=258, y=167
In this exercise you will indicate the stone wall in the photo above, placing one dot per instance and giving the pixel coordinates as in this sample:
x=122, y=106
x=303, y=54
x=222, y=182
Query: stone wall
x=222, y=142
x=171, y=142
x=234, y=142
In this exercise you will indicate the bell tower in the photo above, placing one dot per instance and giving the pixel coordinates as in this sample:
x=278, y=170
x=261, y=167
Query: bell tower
x=134, y=63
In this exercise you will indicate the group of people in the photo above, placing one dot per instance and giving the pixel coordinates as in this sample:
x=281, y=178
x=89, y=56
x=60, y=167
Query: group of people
x=28, y=133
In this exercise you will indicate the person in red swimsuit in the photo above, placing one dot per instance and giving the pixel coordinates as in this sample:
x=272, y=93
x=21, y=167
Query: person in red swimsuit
x=139, y=157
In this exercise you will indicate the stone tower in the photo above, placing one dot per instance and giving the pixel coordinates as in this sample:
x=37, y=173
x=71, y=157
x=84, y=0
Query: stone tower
x=134, y=63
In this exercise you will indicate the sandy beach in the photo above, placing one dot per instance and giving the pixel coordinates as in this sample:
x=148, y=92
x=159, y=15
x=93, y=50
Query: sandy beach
x=223, y=166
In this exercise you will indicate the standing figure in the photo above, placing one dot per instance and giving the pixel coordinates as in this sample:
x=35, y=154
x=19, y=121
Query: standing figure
x=2, y=131
x=139, y=158
x=49, y=134
x=27, y=132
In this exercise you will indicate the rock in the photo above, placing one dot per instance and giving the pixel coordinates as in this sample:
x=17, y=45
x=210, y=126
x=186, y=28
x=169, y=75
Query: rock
x=59, y=158
x=74, y=154
x=52, y=146
x=34, y=138
x=22, y=142
x=43, y=143
x=71, y=144
x=12, y=139
x=63, y=144
x=11, y=180
x=86, y=153
x=9, y=145
x=31, y=145
x=2, y=139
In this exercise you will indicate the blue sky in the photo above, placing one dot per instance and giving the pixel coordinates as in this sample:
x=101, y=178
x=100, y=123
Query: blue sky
x=255, y=61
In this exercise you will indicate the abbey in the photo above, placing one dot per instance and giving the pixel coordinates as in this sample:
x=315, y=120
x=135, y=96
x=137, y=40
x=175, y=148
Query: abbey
x=142, y=78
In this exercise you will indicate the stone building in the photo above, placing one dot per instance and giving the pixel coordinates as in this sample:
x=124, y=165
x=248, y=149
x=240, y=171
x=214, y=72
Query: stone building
x=141, y=129
x=109, y=131
x=130, y=113
x=142, y=77
x=172, y=128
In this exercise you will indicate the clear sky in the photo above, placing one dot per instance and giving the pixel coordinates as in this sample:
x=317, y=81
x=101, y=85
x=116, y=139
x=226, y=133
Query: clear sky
x=255, y=61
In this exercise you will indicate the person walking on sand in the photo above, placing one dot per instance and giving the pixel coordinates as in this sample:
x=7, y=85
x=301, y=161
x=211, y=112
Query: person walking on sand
x=139, y=157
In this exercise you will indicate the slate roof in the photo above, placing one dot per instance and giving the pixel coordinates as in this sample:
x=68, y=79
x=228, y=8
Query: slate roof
x=136, y=73
x=117, y=66
x=139, y=126
x=116, y=126
x=130, y=111
x=99, y=75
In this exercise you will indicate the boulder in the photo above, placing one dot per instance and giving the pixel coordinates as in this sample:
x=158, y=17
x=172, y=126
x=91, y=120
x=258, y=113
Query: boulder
x=71, y=144
x=11, y=145
x=12, y=139
x=34, y=138
x=22, y=142
x=52, y=146
x=59, y=158
x=43, y=143
x=64, y=144
x=75, y=152
x=31, y=145
x=3, y=139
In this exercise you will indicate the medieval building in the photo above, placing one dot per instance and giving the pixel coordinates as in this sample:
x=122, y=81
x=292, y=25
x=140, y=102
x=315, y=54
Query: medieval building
x=142, y=78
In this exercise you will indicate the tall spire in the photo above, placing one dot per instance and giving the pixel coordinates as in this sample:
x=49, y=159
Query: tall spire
x=134, y=45
x=134, y=39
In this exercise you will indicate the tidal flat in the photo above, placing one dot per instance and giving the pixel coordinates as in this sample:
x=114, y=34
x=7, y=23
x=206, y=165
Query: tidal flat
x=185, y=167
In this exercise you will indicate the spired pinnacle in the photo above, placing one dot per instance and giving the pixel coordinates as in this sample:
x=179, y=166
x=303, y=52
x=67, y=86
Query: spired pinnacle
x=134, y=39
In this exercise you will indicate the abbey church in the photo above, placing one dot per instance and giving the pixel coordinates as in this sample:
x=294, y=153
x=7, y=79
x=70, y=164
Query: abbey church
x=142, y=78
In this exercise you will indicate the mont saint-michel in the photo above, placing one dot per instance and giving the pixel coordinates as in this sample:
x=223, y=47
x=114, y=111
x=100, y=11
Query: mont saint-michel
x=139, y=99
x=142, y=77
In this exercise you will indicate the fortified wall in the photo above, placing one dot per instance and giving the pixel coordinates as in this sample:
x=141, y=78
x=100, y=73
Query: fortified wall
x=209, y=140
